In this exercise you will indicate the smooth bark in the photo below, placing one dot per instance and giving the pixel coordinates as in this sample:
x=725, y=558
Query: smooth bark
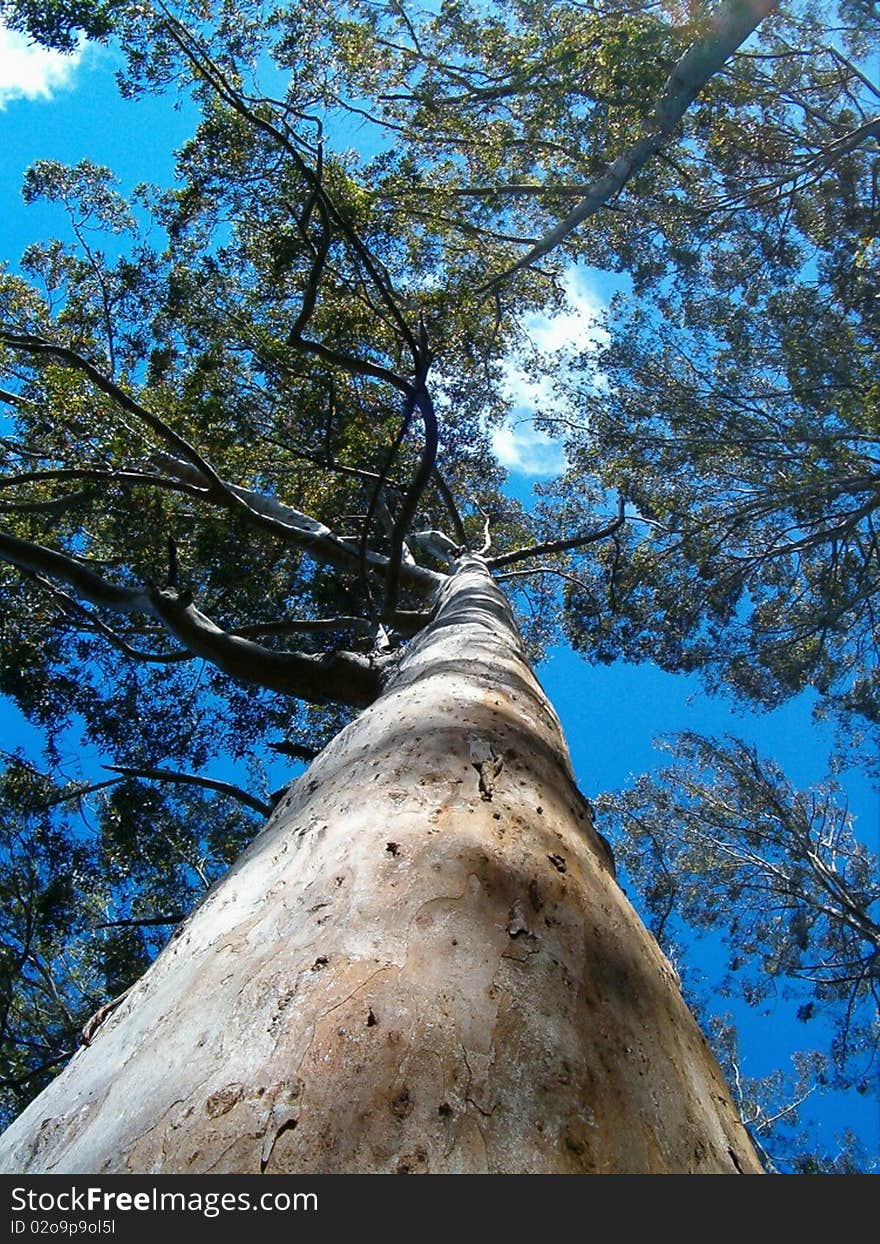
x=422, y=964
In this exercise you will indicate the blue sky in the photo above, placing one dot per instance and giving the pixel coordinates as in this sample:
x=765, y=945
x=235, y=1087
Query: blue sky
x=67, y=109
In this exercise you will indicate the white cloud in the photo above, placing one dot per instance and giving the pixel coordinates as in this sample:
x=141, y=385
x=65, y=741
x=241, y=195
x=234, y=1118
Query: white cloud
x=578, y=325
x=29, y=72
x=518, y=444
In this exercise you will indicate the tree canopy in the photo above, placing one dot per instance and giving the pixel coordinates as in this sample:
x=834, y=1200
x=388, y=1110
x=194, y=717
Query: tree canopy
x=247, y=420
x=721, y=839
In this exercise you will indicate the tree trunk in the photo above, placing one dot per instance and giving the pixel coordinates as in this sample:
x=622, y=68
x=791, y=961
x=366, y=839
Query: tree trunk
x=422, y=964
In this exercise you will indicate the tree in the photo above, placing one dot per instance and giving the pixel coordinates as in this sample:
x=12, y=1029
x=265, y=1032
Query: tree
x=773, y=1107
x=58, y=24
x=738, y=403
x=416, y=929
x=721, y=839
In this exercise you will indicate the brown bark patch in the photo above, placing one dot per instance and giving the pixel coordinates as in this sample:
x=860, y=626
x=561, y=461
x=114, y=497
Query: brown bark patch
x=223, y=1100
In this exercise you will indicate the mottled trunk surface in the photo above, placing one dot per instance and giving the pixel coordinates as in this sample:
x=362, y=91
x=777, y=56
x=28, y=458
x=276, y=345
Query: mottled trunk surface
x=422, y=964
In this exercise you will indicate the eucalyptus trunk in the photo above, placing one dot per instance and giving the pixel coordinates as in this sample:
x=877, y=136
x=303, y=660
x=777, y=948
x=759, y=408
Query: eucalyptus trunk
x=422, y=964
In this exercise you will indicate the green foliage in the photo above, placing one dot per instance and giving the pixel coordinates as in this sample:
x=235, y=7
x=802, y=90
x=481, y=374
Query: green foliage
x=93, y=878
x=60, y=24
x=775, y=1109
x=737, y=403
x=263, y=324
x=191, y=331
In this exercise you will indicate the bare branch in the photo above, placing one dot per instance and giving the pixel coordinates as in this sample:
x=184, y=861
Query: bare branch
x=817, y=164
x=192, y=779
x=261, y=511
x=561, y=546
x=436, y=544
x=330, y=464
x=200, y=59
x=554, y=570
x=847, y=63
x=6, y=1082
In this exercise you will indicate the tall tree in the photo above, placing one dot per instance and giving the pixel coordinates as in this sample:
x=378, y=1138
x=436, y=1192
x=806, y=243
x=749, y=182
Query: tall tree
x=289, y=404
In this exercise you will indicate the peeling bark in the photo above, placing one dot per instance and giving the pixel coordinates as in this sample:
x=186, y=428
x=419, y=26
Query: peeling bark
x=422, y=964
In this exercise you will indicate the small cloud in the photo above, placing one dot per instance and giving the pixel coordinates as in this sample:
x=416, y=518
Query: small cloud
x=31, y=72
x=521, y=447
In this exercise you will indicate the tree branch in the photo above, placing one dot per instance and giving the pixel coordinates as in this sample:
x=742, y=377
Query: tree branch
x=201, y=61
x=304, y=626
x=15, y=399
x=30, y=343
x=344, y=677
x=104, y=476
x=37, y=559
x=146, y=922
x=192, y=779
x=561, y=546
x=732, y=23
x=52, y=505
x=520, y=189
x=300, y=529
x=69, y=605
x=261, y=511
x=298, y=750
x=422, y=402
x=451, y=508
